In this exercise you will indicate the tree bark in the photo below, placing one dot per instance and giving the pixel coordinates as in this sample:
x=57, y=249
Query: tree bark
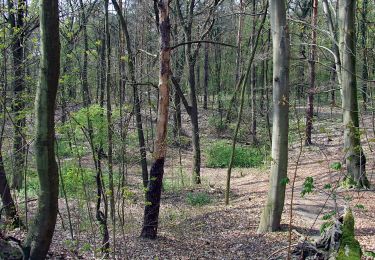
x=151, y=213
x=364, y=51
x=310, y=95
x=271, y=215
x=40, y=235
x=206, y=73
x=16, y=21
x=355, y=158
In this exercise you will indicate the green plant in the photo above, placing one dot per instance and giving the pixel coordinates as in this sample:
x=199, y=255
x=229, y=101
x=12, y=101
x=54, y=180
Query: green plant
x=179, y=182
x=75, y=179
x=218, y=124
x=308, y=186
x=219, y=153
x=198, y=199
x=328, y=222
x=348, y=183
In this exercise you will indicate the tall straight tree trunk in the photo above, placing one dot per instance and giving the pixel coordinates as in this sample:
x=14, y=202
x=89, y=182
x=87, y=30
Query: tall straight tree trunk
x=109, y=112
x=239, y=42
x=194, y=120
x=355, y=158
x=271, y=215
x=179, y=66
x=310, y=96
x=253, y=81
x=40, y=235
x=364, y=51
x=151, y=213
x=206, y=73
x=16, y=21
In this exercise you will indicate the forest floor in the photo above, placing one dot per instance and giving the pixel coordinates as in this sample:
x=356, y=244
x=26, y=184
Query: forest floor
x=216, y=231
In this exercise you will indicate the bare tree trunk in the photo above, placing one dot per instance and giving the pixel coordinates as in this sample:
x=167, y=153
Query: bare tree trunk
x=151, y=213
x=109, y=117
x=239, y=42
x=310, y=96
x=206, y=72
x=137, y=102
x=364, y=51
x=16, y=21
x=355, y=158
x=40, y=235
x=271, y=215
x=253, y=81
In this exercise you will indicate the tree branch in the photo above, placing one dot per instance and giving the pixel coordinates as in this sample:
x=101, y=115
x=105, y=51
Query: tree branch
x=202, y=41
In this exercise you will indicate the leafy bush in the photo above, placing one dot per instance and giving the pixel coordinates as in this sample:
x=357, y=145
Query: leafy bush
x=198, y=199
x=218, y=156
x=75, y=178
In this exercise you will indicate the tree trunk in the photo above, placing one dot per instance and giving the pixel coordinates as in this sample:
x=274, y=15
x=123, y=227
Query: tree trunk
x=40, y=235
x=16, y=21
x=137, y=103
x=310, y=96
x=206, y=72
x=355, y=158
x=151, y=213
x=364, y=50
x=271, y=216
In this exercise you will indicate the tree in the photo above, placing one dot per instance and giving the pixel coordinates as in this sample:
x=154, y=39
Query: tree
x=151, y=213
x=310, y=95
x=271, y=215
x=40, y=234
x=16, y=21
x=354, y=157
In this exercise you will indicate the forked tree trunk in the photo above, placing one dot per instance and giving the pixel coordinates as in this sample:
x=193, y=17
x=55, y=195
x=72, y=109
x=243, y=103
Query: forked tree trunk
x=271, y=215
x=40, y=235
x=355, y=158
x=151, y=213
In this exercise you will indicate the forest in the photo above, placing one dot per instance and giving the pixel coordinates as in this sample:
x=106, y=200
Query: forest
x=187, y=129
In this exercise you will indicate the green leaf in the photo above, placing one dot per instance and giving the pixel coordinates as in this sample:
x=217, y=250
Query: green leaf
x=360, y=206
x=336, y=166
x=284, y=181
x=327, y=186
x=308, y=186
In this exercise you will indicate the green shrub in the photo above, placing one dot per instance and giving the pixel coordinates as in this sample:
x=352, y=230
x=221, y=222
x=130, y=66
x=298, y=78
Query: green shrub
x=218, y=156
x=75, y=179
x=198, y=199
x=216, y=123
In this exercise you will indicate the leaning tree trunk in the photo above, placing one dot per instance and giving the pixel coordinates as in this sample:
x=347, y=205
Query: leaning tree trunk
x=271, y=216
x=355, y=158
x=310, y=95
x=40, y=235
x=151, y=213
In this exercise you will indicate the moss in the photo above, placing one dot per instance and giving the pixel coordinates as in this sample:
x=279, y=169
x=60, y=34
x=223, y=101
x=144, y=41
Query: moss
x=350, y=248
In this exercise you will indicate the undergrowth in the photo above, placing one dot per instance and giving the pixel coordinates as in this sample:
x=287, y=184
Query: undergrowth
x=218, y=156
